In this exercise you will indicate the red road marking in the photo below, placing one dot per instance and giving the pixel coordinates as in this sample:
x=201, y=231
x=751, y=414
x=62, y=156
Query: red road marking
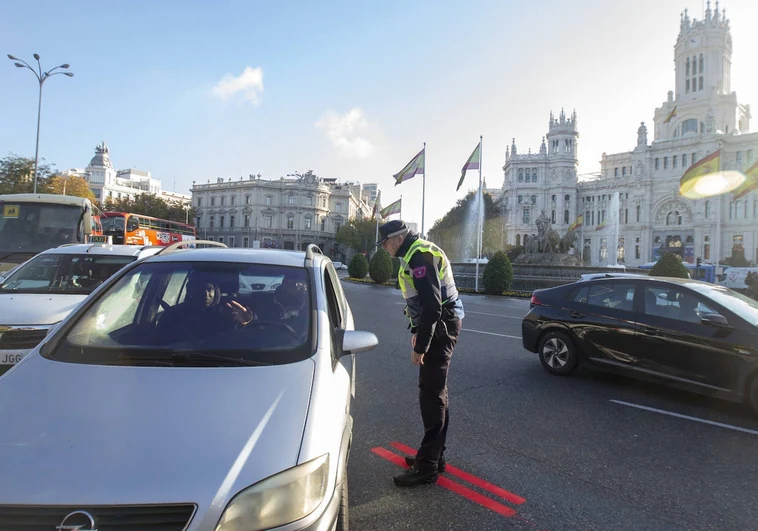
x=451, y=485
x=465, y=476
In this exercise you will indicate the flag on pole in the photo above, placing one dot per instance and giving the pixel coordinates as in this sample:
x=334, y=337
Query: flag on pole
x=471, y=164
x=750, y=184
x=392, y=209
x=416, y=166
x=670, y=116
x=705, y=166
x=602, y=225
x=578, y=222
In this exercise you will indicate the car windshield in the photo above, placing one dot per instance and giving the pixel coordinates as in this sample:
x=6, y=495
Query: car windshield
x=257, y=313
x=743, y=306
x=63, y=273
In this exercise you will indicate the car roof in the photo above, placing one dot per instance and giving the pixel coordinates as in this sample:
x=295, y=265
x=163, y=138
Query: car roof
x=103, y=249
x=254, y=256
x=644, y=278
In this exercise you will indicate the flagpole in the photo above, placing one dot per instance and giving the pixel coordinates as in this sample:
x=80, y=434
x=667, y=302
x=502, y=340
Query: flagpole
x=423, y=194
x=479, y=219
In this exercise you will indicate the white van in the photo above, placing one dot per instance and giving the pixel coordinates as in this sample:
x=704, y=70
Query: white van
x=734, y=277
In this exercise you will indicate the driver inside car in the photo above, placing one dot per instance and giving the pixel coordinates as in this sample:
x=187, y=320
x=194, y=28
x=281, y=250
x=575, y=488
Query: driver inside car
x=201, y=314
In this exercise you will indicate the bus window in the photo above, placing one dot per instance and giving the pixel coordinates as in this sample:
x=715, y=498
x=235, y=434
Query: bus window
x=132, y=224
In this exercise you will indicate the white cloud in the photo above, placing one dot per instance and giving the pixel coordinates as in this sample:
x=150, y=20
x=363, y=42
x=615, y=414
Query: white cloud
x=249, y=84
x=344, y=132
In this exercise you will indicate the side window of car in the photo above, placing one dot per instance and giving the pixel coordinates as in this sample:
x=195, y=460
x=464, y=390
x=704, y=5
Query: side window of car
x=613, y=295
x=674, y=303
x=580, y=295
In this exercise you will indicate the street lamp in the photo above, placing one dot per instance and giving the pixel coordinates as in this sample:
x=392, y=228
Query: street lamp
x=41, y=78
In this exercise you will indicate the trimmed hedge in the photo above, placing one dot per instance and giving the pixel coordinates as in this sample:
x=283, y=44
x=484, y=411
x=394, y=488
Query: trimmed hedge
x=380, y=268
x=498, y=274
x=669, y=265
x=358, y=267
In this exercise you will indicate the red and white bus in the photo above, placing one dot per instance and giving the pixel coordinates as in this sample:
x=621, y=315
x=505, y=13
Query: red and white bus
x=137, y=229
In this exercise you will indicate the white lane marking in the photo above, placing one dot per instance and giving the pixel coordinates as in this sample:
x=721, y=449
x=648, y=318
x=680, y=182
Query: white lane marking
x=489, y=333
x=680, y=416
x=482, y=313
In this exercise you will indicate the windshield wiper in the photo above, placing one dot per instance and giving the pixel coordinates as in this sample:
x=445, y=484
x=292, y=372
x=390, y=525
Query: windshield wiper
x=190, y=358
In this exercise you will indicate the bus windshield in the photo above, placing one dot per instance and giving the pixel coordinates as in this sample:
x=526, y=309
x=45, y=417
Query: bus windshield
x=112, y=223
x=35, y=227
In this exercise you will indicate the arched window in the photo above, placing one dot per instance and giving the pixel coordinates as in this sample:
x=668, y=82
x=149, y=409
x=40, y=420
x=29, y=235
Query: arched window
x=520, y=177
x=520, y=199
x=688, y=66
x=534, y=175
x=518, y=240
x=534, y=199
x=689, y=126
x=673, y=218
x=566, y=217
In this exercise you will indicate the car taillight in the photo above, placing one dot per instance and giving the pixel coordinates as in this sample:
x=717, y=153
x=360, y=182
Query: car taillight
x=535, y=301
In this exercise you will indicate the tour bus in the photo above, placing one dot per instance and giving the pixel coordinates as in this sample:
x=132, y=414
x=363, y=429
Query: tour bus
x=32, y=223
x=125, y=228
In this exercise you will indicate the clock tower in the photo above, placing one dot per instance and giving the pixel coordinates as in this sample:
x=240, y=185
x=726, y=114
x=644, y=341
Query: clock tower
x=702, y=101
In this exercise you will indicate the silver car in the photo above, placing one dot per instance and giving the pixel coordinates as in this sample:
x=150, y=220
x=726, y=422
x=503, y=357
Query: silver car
x=170, y=399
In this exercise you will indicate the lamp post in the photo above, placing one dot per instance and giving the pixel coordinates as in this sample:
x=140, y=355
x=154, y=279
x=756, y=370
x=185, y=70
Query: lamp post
x=41, y=78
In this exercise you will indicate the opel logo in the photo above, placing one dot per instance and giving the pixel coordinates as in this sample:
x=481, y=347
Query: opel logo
x=83, y=516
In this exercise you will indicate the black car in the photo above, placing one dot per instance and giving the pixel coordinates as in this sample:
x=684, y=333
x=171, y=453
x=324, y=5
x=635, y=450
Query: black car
x=690, y=334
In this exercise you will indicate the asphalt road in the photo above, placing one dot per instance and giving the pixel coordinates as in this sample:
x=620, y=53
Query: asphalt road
x=570, y=457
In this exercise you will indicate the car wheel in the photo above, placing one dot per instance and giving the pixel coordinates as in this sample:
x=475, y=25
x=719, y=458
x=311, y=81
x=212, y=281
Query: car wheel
x=558, y=354
x=342, y=517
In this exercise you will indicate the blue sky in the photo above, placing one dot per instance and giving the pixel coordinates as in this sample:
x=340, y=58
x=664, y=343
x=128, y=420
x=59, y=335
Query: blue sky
x=347, y=89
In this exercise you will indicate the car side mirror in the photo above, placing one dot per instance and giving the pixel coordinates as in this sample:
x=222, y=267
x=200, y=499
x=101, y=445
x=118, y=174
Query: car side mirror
x=354, y=342
x=714, y=319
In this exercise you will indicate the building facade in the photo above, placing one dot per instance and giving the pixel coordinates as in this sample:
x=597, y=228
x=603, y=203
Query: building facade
x=285, y=213
x=108, y=183
x=632, y=208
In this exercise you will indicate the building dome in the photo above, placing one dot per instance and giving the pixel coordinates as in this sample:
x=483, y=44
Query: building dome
x=101, y=158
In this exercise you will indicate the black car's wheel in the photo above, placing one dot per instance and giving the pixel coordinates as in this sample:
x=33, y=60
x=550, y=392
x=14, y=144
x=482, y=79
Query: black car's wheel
x=558, y=354
x=342, y=517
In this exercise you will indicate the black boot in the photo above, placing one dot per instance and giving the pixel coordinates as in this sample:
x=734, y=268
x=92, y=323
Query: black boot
x=413, y=477
x=410, y=460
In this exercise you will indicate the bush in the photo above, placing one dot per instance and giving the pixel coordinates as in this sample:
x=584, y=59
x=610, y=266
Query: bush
x=358, y=267
x=380, y=268
x=669, y=265
x=498, y=274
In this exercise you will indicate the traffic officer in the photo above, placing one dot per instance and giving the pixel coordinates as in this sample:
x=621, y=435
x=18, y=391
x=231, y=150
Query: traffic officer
x=435, y=314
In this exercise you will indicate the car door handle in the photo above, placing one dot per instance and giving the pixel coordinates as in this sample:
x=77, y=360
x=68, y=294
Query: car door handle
x=576, y=315
x=650, y=331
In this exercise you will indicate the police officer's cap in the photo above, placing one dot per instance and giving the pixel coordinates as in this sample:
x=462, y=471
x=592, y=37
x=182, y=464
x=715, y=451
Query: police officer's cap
x=391, y=229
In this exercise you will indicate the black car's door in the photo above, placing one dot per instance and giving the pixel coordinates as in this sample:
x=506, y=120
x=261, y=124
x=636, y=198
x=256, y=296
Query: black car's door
x=603, y=320
x=680, y=345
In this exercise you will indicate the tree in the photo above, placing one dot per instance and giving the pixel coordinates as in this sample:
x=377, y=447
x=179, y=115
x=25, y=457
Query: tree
x=358, y=234
x=380, y=268
x=17, y=175
x=150, y=205
x=358, y=267
x=498, y=274
x=669, y=265
x=73, y=186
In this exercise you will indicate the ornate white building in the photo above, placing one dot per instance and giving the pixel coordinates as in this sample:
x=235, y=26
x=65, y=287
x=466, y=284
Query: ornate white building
x=107, y=182
x=287, y=213
x=648, y=216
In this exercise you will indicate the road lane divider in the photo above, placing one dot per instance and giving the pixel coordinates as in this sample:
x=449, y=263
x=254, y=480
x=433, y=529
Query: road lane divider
x=470, y=478
x=452, y=486
x=686, y=417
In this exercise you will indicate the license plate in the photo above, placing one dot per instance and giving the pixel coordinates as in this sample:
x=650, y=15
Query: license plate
x=11, y=357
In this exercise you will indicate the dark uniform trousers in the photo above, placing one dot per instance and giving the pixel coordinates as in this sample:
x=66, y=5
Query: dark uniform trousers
x=433, y=401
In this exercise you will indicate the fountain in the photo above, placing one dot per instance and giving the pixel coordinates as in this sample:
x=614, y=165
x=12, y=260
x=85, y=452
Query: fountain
x=471, y=226
x=548, y=248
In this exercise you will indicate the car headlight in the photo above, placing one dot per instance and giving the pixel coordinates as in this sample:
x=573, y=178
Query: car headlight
x=278, y=500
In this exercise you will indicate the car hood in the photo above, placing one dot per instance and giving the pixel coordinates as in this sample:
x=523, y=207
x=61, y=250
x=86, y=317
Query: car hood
x=85, y=435
x=36, y=309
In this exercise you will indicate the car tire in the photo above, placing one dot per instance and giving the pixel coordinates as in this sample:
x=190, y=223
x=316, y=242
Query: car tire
x=343, y=520
x=558, y=354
